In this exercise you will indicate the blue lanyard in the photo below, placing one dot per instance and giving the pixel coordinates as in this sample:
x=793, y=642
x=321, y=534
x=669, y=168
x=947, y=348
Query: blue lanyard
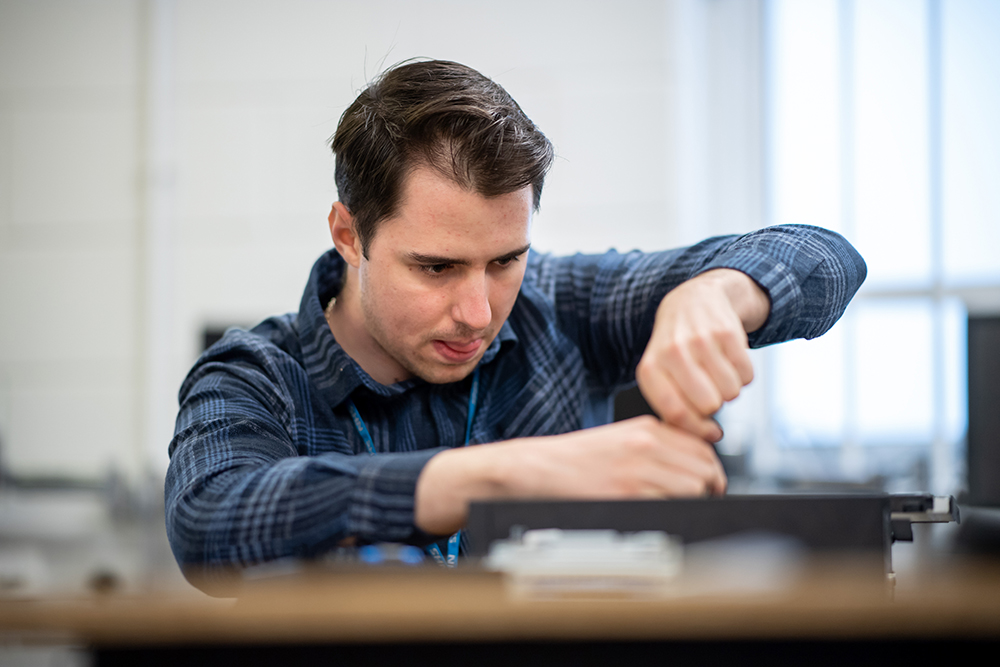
x=359, y=424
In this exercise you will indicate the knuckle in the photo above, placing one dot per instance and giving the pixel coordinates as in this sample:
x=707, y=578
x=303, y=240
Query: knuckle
x=644, y=361
x=646, y=422
x=645, y=367
x=692, y=486
x=700, y=344
x=641, y=444
x=674, y=353
x=730, y=336
x=675, y=413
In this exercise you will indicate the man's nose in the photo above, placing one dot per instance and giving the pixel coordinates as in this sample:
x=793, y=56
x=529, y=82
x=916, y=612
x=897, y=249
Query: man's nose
x=472, y=303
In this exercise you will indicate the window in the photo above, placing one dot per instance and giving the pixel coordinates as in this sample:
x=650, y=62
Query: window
x=881, y=125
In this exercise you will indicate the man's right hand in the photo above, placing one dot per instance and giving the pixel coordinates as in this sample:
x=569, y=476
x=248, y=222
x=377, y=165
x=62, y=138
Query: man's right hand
x=637, y=458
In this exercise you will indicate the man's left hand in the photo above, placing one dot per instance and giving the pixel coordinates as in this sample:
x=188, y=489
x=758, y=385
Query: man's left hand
x=697, y=357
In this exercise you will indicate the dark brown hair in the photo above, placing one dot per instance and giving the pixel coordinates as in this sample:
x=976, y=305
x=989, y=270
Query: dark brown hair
x=438, y=114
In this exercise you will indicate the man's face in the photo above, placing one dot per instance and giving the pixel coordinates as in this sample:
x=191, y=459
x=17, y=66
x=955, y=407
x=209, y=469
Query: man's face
x=442, y=275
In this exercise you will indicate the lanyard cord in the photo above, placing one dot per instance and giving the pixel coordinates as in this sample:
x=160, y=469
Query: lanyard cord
x=359, y=425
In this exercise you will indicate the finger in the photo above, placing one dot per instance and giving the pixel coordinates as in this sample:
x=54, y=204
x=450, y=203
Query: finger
x=676, y=439
x=691, y=379
x=686, y=475
x=682, y=450
x=720, y=489
x=720, y=370
x=673, y=485
x=738, y=352
x=666, y=400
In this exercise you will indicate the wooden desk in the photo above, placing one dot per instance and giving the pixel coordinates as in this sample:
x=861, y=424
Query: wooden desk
x=389, y=614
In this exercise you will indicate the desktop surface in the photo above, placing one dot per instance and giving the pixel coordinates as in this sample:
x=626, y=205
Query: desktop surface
x=823, y=600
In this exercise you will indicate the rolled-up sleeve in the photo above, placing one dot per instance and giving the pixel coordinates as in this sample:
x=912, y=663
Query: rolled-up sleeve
x=810, y=275
x=607, y=303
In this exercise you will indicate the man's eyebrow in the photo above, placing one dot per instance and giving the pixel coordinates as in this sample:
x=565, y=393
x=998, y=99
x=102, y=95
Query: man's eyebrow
x=432, y=260
x=511, y=255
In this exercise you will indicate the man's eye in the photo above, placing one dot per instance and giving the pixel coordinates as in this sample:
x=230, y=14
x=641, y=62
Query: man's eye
x=507, y=261
x=436, y=269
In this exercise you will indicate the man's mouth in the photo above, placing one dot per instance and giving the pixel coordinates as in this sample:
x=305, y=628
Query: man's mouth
x=457, y=351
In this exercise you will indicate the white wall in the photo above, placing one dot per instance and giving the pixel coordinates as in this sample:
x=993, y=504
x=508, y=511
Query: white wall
x=163, y=165
x=68, y=200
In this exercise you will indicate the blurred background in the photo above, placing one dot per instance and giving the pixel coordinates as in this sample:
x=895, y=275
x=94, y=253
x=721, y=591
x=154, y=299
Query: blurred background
x=164, y=174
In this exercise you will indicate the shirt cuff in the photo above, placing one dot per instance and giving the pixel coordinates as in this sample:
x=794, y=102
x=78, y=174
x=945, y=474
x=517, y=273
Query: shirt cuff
x=382, y=502
x=781, y=282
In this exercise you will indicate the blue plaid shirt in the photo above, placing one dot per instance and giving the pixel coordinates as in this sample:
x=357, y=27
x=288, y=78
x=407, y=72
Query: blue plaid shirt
x=266, y=462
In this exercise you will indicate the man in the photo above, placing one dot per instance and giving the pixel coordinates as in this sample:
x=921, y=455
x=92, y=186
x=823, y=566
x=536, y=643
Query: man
x=430, y=326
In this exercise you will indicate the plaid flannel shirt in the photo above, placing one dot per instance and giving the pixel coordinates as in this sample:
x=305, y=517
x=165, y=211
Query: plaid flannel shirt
x=266, y=462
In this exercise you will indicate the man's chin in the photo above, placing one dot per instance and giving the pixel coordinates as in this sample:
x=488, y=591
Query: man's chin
x=438, y=373
x=449, y=375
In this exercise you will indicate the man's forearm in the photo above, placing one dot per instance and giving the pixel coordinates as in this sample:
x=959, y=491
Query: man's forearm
x=809, y=273
x=636, y=458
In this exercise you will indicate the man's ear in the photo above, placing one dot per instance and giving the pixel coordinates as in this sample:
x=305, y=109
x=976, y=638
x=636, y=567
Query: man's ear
x=345, y=239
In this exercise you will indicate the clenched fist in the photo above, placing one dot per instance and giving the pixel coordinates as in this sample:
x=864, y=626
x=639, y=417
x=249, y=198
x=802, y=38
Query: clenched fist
x=697, y=357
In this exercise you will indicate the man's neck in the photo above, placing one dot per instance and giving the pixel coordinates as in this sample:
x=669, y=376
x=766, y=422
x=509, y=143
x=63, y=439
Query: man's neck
x=345, y=317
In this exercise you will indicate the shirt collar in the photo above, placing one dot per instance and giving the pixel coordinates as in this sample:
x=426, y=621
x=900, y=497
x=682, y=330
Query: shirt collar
x=335, y=374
